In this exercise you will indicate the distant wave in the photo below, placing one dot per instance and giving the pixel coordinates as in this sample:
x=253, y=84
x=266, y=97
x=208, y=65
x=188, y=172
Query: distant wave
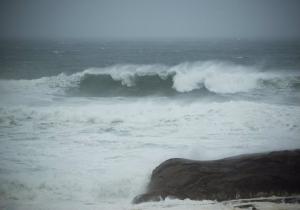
x=142, y=80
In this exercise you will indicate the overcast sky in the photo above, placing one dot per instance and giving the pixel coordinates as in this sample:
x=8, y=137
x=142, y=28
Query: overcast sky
x=150, y=18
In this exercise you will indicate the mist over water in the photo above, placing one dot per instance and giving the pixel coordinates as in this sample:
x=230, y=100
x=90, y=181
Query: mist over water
x=95, y=94
x=82, y=124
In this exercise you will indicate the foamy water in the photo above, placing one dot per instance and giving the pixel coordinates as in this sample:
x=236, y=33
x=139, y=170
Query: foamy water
x=213, y=76
x=90, y=139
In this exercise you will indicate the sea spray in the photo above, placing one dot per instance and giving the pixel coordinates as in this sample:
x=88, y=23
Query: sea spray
x=143, y=80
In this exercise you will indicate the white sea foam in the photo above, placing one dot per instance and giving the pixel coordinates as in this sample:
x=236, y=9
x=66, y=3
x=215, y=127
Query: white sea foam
x=109, y=147
x=217, y=77
x=75, y=152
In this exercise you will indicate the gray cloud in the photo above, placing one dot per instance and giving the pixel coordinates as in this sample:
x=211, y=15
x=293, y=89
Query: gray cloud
x=150, y=18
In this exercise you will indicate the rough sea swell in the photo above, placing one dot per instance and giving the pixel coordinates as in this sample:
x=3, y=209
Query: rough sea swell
x=194, y=78
x=63, y=149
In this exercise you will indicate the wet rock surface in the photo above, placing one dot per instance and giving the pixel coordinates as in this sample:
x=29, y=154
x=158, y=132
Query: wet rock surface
x=239, y=177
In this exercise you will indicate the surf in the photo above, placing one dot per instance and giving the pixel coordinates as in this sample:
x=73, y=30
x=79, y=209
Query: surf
x=209, y=77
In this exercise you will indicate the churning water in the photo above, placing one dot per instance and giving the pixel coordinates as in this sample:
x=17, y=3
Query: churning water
x=82, y=124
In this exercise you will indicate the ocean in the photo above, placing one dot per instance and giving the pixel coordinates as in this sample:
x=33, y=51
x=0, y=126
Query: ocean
x=84, y=123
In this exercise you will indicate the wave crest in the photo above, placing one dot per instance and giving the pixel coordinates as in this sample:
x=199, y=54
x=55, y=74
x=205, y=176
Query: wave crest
x=140, y=80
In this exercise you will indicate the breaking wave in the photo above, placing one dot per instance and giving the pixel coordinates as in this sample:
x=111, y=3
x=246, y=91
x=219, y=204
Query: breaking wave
x=142, y=80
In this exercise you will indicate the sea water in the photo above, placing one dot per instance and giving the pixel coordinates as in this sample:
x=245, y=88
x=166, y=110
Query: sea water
x=83, y=124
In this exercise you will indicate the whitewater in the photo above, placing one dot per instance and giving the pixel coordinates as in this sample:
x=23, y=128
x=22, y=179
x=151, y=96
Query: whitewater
x=90, y=138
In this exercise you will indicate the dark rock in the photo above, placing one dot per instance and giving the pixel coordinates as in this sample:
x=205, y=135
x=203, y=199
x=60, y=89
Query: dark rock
x=244, y=176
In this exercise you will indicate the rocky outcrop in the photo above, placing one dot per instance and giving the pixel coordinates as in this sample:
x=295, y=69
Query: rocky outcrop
x=244, y=176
